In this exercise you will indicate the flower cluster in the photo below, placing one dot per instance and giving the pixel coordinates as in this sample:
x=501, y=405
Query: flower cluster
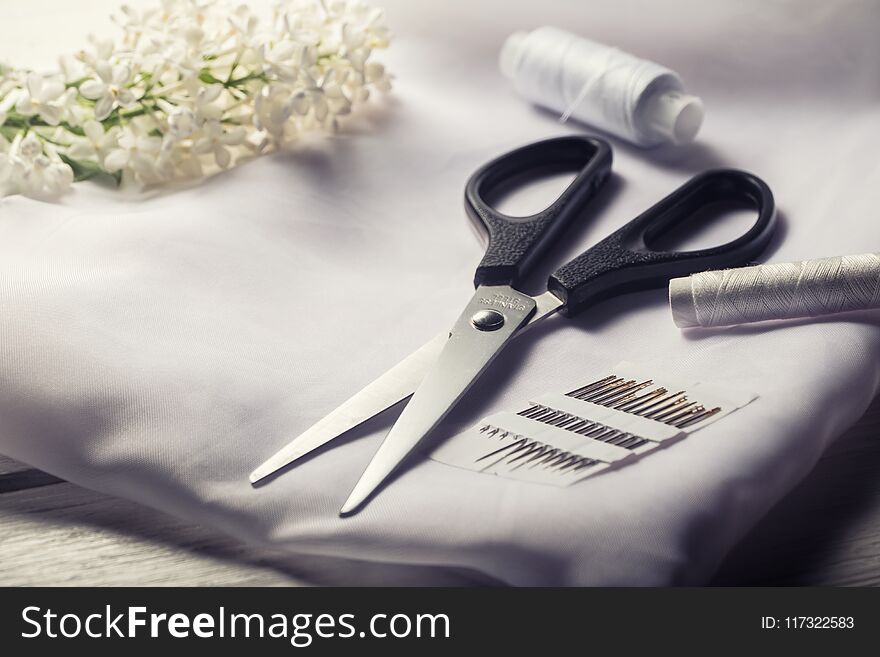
x=191, y=86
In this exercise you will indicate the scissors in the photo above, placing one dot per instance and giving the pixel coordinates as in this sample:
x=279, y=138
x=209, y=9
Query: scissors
x=442, y=371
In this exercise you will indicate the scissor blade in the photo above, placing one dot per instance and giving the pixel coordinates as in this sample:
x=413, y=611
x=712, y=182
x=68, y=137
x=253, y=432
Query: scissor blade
x=392, y=387
x=492, y=317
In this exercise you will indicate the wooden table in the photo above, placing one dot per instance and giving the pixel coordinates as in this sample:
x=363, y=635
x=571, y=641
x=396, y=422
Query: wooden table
x=826, y=532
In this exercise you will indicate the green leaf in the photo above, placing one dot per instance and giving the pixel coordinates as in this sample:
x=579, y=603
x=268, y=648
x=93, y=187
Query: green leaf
x=75, y=129
x=206, y=77
x=76, y=83
x=87, y=169
x=8, y=132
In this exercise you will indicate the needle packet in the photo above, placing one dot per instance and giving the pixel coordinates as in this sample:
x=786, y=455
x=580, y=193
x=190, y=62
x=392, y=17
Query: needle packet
x=559, y=439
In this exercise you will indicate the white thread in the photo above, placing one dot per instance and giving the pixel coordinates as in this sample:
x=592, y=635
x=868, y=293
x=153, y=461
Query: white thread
x=789, y=290
x=619, y=93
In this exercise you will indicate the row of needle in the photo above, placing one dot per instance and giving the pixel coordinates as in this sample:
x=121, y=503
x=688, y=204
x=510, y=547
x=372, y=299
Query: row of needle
x=613, y=392
x=533, y=453
x=657, y=404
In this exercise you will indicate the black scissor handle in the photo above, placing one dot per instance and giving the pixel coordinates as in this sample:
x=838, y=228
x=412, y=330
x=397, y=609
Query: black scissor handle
x=516, y=243
x=624, y=262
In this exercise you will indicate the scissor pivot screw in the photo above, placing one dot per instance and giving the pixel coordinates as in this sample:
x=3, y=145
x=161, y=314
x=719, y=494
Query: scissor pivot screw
x=487, y=320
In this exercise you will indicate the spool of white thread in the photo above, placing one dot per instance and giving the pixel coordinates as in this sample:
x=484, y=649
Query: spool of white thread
x=783, y=291
x=632, y=98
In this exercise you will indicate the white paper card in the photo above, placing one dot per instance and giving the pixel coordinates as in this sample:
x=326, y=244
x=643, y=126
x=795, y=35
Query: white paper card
x=575, y=438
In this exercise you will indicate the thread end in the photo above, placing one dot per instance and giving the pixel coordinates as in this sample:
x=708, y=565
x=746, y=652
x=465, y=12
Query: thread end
x=674, y=116
x=681, y=302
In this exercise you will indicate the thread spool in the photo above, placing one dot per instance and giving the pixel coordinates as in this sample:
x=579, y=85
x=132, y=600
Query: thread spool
x=789, y=290
x=635, y=99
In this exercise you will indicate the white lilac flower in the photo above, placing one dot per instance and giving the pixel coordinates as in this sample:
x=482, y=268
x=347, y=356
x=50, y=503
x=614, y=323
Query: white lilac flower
x=287, y=59
x=244, y=28
x=6, y=169
x=29, y=169
x=109, y=90
x=45, y=177
x=95, y=143
x=29, y=147
x=205, y=105
x=44, y=97
x=181, y=122
x=102, y=51
x=272, y=109
x=376, y=75
x=187, y=84
x=216, y=140
x=138, y=154
x=71, y=69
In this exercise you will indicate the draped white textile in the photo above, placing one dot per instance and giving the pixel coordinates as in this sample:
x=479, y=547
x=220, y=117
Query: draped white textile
x=160, y=347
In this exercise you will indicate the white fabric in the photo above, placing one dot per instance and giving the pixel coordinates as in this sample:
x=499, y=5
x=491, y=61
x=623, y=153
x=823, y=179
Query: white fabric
x=160, y=348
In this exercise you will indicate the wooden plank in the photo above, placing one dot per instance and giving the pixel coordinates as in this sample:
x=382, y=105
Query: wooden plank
x=16, y=476
x=25, y=479
x=7, y=465
x=65, y=535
